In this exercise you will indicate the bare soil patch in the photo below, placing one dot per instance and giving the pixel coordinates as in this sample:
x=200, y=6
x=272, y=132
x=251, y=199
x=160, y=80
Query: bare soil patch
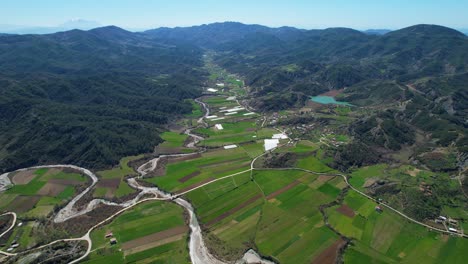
x=65, y=182
x=23, y=203
x=194, y=185
x=52, y=171
x=79, y=225
x=413, y=172
x=23, y=177
x=190, y=176
x=154, y=237
x=329, y=255
x=333, y=93
x=183, y=158
x=233, y=210
x=282, y=190
x=345, y=210
x=325, y=178
x=369, y=182
x=109, y=183
x=154, y=244
x=51, y=189
x=313, y=105
x=321, y=180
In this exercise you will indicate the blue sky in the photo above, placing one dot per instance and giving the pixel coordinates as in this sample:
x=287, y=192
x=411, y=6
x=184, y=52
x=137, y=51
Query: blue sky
x=360, y=14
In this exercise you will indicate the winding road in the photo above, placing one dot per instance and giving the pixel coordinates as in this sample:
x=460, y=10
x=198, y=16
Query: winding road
x=199, y=253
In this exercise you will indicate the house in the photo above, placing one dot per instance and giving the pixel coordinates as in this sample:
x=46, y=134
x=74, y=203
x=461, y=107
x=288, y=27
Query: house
x=109, y=234
x=443, y=218
x=378, y=209
x=113, y=241
x=451, y=229
x=453, y=221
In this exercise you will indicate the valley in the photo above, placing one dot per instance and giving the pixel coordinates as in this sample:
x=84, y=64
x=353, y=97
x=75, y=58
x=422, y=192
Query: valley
x=215, y=192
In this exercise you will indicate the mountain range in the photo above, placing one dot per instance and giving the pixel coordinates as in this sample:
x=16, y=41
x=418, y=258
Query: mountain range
x=68, y=25
x=90, y=97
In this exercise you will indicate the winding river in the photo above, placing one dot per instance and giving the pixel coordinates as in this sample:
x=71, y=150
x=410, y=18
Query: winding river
x=199, y=253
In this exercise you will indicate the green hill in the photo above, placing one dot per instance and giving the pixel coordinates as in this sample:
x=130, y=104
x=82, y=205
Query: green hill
x=90, y=97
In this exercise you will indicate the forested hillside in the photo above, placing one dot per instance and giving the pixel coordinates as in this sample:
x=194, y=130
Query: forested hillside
x=93, y=96
x=412, y=81
x=90, y=97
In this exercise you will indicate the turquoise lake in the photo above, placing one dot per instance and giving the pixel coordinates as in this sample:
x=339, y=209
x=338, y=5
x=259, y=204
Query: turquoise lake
x=328, y=100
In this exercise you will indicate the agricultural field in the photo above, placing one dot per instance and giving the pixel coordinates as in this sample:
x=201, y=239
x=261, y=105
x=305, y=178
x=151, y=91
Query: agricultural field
x=239, y=211
x=387, y=238
x=173, y=143
x=152, y=232
x=313, y=163
x=279, y=213
x=226, y=109
x=303, y=146
x=234, y=133
x=173, y=139
x=112, y=183
x=200, y=168
x=36, y=194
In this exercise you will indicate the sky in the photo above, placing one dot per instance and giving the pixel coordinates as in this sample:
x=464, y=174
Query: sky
x=308, y=14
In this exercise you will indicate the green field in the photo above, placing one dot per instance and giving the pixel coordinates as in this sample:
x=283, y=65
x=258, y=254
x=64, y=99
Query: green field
x=30, y=201
x=119, y=172
x=143, y=220
x=173, y=139
x=234, y=133
x=238, y=212
x=387, y=238
x=314, y=164
x=212, y=164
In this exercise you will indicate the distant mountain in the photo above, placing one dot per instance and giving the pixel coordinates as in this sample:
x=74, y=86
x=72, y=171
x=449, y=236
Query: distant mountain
x=80, y=24
x=284, y=67
x=86, y=85
x=377, y=31
x=214, y=34
x=69, y=25
x=464, y=31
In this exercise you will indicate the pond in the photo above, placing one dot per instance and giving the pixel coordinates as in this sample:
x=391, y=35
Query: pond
x=321, y=99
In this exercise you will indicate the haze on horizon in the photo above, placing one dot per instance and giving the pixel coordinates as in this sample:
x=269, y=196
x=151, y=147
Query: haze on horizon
x=141, y=14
